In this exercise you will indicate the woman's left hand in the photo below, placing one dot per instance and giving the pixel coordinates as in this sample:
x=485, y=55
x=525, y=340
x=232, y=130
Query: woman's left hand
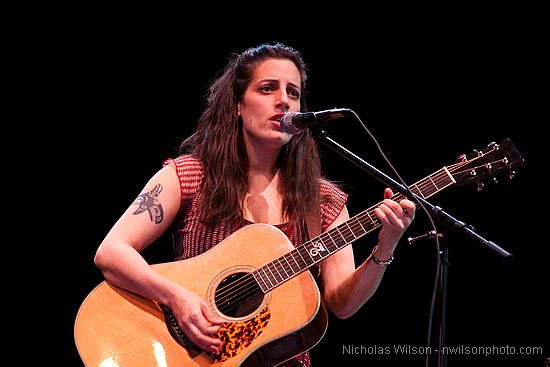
x=396, y=217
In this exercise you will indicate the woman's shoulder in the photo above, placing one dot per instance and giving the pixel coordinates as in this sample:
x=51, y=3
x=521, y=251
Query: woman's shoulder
x=333, y=200
x=185, y=162
x=329, y=188
x=190, y=172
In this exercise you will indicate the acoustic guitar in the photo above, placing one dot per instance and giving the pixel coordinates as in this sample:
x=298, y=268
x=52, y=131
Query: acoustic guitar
x=256, y=280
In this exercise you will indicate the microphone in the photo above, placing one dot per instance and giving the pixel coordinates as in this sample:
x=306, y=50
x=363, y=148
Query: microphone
x=293, y=122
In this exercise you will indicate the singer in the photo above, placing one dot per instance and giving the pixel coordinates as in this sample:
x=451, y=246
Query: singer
x=240, y=181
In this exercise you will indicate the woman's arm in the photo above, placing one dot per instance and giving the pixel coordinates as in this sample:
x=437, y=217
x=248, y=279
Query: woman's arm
x=346, y=288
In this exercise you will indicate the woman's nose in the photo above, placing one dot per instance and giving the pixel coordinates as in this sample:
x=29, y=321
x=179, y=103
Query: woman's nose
x=282, y=102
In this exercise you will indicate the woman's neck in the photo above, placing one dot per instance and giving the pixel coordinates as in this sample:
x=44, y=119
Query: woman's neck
x=262, y=166
x=262, y=158
x=263, y=202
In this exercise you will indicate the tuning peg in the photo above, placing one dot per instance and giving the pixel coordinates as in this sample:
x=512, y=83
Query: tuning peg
x=478, y=152
x=462, y=158
x=512, y=174
x=480, y=186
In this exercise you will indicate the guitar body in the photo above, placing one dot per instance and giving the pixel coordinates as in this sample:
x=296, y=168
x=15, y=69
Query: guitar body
x=116, y=328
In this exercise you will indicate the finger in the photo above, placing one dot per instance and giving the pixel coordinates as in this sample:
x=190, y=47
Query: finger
x=395, y=207
x=208, y=329
x=213, y=322
x=388, y=193
x=205, y=342
x=210, y=315
x=386, y=215
x=408, y=207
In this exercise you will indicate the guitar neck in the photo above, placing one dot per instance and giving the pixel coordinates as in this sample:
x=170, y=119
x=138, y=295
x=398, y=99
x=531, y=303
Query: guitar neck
x=319, y=248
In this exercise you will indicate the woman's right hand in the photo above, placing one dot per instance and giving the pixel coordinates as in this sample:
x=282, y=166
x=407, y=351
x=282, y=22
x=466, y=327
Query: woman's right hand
x=197, y=320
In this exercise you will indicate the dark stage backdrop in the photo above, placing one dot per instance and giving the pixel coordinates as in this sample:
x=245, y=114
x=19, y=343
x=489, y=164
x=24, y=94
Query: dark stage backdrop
x=128, y=93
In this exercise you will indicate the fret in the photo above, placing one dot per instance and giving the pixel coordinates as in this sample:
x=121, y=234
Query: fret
x=436, y=179
x=289, y=267
x=279, y=266
x=302, y=250
x=329, y=234
x=350, y=228
x=440, y=180
x=370, y=217
x=363, y=228
x=333, y=247
x=433, y=183
x=337, y=231
x=346, y=232
x=267, y=278
x=414, y=188
x=294, y=261
x=447, y=179
x=449, y=176
x=260, y=280
x=276, y=276
x=301, y=257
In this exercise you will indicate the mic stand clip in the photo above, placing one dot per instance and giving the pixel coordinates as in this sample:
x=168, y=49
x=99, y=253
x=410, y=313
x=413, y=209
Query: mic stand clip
x=429, y=234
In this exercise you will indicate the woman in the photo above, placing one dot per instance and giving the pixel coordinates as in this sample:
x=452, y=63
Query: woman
x=240, y=168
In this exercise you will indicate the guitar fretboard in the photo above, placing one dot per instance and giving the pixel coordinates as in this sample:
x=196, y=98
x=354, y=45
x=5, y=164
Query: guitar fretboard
x=319, y=248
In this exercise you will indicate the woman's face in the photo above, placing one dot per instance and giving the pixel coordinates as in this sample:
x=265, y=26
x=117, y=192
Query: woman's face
x=273, y=91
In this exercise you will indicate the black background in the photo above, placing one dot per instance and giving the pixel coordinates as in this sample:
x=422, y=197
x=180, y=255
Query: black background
x=115, y=94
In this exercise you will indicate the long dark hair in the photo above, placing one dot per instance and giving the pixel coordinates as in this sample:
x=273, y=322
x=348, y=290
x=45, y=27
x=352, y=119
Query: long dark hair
x=218, y=143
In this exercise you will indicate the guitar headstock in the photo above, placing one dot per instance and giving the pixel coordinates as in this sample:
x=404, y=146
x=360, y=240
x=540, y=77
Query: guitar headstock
x=488, y=162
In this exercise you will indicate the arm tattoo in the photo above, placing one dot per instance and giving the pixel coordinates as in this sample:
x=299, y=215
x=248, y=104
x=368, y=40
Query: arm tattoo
x=148, y=202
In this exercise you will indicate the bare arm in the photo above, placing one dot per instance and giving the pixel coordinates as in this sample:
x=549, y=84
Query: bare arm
x=346, y=288
x=119, y=258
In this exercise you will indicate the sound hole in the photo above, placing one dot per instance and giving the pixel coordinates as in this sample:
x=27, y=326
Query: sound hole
x=238, y=295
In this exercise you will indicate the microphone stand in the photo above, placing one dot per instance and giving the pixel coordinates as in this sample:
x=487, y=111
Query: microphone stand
x=436, y=212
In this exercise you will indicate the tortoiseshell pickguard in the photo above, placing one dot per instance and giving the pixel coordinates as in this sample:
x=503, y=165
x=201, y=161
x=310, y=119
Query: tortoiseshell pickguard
x=237, y=336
